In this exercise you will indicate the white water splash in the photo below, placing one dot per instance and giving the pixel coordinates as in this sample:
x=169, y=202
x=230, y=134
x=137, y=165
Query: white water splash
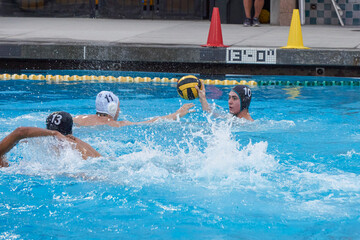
x=202, y=155
x=45, y=156
x=349, y=154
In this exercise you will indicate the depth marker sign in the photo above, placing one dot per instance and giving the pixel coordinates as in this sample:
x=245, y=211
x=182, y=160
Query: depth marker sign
x=251, y=55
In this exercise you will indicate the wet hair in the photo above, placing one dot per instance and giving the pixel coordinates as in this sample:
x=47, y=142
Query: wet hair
x=244, y=94
x=61, y=122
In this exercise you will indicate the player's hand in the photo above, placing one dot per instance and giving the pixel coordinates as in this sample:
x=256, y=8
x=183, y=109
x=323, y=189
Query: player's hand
x=201, y=91
x=185, y=109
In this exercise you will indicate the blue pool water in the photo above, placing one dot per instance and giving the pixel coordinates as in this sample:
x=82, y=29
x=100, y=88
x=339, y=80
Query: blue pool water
x=294, y=173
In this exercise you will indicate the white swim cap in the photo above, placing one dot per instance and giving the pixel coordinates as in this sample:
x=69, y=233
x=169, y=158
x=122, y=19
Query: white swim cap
x=107, y=102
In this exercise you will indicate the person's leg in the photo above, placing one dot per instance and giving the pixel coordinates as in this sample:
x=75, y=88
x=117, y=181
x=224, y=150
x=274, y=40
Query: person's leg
x=247, y=6
x=258, y=5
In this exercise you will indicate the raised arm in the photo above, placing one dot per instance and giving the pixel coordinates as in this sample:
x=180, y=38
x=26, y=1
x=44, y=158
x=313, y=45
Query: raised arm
x=182, y=111
x=202, y=97
x=20, y=133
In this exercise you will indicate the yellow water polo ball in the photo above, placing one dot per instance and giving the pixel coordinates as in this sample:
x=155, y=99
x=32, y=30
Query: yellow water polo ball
x=264, y=16
x=186, y=87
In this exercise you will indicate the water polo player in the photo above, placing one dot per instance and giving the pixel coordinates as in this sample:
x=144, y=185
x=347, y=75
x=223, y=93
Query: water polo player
x=107, y=111
x=59, y=125
x=239, y=101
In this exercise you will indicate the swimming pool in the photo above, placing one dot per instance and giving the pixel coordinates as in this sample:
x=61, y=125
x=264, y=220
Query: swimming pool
x=294, y=173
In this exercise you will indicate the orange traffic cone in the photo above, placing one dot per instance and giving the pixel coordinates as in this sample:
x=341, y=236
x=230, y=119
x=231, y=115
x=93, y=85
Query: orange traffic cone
x=215, y=35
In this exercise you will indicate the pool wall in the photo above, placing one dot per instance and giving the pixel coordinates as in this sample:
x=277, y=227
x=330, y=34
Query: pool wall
x=176, y=46
x=209, y=61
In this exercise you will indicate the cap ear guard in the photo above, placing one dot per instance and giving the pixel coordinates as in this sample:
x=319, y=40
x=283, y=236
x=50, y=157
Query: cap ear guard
x=246, y=98
x=112, y=109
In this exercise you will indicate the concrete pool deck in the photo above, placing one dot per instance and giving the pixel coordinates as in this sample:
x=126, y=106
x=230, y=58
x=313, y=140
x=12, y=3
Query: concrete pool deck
x=175, y=46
